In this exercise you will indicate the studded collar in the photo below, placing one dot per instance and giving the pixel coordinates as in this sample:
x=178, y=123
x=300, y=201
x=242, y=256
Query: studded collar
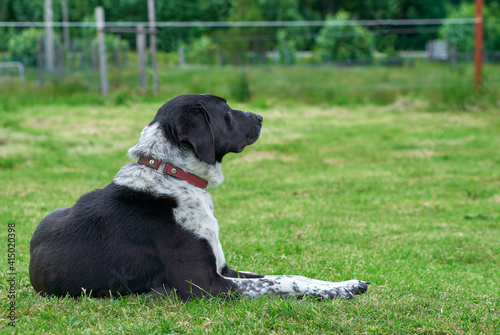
x=165, y=168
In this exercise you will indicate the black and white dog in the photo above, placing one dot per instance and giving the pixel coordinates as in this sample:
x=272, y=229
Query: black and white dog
x=152, y=230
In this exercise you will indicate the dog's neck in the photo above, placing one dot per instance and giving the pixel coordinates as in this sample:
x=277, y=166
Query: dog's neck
x=174, y=171
x=154, y=144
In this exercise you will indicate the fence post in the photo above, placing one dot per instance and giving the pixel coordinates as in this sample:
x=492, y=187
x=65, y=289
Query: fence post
x=118, y=64
x=65, y=19
x=20, y=68
x=220, y=57
x=49, y=35
x=141, y=52
x=103, y=69
x=94, y=55
x=59, y=60
x=39, y=61
x=478, y=46
x=152, y=42
x=180, y=51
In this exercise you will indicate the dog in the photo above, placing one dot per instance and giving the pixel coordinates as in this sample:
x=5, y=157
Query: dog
x=152, y=230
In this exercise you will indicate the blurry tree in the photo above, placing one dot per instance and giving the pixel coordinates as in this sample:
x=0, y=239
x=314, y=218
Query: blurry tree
x=344, y=43
x=463, y=35
x=492, y=26
x=257, y=39
x=287, y=47
x=22, y=10
x=201, y=50
x=23, y=46
x=260, y=39
x=193, y=10
x=408, y=37
x=124, y=10
x=18, y=10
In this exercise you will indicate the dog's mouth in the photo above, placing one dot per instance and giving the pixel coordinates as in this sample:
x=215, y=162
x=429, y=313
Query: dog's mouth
x=253, y=135
x=251, y=138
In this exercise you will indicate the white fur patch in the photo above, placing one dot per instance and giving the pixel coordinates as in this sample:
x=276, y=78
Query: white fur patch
x=195, y=214
x=298, y=286
x=195, y=208
x=153, y=143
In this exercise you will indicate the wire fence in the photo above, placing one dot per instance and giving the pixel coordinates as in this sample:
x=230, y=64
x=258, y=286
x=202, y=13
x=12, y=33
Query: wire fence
x=198, y=24
x=407, y=54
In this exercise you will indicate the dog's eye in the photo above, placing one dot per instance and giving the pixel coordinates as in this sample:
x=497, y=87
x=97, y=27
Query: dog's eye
x=227, y=117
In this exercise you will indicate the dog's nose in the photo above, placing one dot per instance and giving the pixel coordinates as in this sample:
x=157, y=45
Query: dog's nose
x=259, y=117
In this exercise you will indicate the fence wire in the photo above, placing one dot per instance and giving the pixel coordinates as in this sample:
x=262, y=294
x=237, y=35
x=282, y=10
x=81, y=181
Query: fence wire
x=390, y=55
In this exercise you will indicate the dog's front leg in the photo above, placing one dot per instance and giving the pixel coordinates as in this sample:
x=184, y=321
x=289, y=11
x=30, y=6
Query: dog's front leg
x=298, y=286
x=230, y=273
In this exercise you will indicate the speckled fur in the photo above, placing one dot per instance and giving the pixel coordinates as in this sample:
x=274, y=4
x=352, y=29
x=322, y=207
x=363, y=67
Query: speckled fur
x=149, y=232
x=153, y=143
x=298, y=286
x=195, y=214
x=195, y=207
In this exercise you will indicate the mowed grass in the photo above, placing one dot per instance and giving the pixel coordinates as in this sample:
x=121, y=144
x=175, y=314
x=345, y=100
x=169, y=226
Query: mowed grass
x=399, y=195
x=442, y=85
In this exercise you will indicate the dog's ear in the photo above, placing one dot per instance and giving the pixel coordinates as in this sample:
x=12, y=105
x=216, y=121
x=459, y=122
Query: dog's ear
x=193, y=128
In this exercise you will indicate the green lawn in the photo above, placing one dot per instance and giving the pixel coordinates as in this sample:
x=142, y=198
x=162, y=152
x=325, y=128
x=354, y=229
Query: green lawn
x=399, y=195
x=441, y=85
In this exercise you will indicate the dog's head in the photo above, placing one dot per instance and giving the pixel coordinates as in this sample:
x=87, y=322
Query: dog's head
x=206, y=125
x=202, y=124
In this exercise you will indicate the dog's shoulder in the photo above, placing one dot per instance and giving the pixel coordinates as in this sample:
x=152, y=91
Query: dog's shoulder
x=115, y=198
x=193, y=210
x=114, y=207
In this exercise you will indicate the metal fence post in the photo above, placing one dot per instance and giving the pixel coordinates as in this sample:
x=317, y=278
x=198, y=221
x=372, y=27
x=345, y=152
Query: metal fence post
x=103, y=69
x=49, y=35
x=152, y=42
x=141, y=52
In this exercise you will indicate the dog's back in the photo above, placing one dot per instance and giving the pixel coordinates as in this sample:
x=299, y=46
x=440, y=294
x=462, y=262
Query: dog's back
x=97, y=244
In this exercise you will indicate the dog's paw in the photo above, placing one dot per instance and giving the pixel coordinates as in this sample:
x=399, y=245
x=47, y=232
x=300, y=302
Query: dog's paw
x=350, y=288
x=360, y=287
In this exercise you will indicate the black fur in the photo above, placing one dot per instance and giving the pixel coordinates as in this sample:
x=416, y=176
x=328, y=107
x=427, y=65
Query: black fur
x=152, y=233
x=118, y=240
x=202, y=127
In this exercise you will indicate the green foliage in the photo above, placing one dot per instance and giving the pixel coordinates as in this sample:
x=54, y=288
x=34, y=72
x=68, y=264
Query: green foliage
x=22, y=10
x=492, y=26
x=344, y=43
x=387, y=44
x=410, y=9
x=5, y=35
x=25, y=43
x=287, y=47
x=181, y=10
x=115, y=42
x=263, y=38
x=201, y=50
x=463, y=35
x=265, y=10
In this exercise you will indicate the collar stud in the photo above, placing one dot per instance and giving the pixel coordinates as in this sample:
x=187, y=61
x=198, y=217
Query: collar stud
x=165, y=168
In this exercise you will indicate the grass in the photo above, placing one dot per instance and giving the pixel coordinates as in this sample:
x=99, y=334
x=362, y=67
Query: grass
x=442, y=85
x=399, y=195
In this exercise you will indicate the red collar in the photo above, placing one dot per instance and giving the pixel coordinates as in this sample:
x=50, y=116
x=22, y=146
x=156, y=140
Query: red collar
x=174, y=171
